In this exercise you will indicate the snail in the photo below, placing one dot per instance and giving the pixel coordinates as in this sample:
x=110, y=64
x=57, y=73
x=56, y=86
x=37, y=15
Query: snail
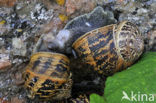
x=104, y=47
x=48, y=77
x=110, y=48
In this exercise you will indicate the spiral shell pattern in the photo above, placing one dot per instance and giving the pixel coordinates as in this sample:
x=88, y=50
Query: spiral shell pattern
x=47, y=76
x=110, y=48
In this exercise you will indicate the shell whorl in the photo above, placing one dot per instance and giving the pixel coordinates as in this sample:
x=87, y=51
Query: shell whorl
x=128, y=41
x=46, y=63
x=110, y=48
x=48, y=76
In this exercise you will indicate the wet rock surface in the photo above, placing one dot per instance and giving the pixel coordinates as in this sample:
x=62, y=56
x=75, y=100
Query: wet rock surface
x=23, y=22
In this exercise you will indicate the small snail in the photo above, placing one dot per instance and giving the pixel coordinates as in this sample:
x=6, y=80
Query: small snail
x=110, y=48
x=48, y=76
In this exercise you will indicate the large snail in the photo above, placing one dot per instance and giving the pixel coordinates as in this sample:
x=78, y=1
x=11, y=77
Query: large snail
x=110, y=48
x=105, y=49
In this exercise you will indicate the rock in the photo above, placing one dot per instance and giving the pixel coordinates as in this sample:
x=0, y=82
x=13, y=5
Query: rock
x=36, y=11
x=4, y=61
x=1, y=42
x=3, y=28
x=150, y=41
x=3, y=100
x=17, y=100
x=48, y=33
x=143, y=17
x=19, y=48
x=40, y=13
x=142, y=11
x=126, y=5
x=53, y=26
x=79, y=5
x=18, y=79
x=70, y=7
x=7, y=3
x=5, y=64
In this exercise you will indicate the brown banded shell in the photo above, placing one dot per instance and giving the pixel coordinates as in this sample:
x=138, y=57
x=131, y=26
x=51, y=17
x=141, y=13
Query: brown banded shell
x=110, y=48
x=80, y=99
x=48, y=76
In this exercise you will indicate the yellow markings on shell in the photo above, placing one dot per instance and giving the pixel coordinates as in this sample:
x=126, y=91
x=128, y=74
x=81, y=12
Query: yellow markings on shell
x=43, y=57
x=89, y=58
x=116, y=36
x=104, y=48
x=49, y=55
x=44, y=77
x=82, y=41
x=105, y=29
x=84, y=44
x=54, y=66
x=40, y=70
x=38, y=84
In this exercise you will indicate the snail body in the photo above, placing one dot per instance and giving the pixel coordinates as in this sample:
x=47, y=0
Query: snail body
x=62, y=42
x=47, y=76
x=110, y=48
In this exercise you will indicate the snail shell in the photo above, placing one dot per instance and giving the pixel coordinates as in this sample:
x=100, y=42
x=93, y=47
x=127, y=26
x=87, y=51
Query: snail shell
x=110, y=48
x=80, y=99
x=48, y=76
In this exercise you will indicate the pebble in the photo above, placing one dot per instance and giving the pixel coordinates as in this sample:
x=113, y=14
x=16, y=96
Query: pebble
x=79, y=5
x=40, y=13
x=142, y=11
x=3, y=27
x=53, y=26
x=18, y=78
x=150, y=41
x=48, y=32
x=126, y=5
x=7, y=3
x=19, y=48
x=5, y=64
x=17, y=100
x=2, y=100
x=4, y=61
